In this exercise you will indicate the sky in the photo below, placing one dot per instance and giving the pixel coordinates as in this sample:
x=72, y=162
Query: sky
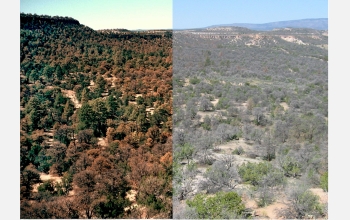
x=107, y=14
x=168, y=14
x=203, y=13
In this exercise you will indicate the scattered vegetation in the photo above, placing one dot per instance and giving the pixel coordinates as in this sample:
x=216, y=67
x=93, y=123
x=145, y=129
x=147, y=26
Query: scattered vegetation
x=255, y=113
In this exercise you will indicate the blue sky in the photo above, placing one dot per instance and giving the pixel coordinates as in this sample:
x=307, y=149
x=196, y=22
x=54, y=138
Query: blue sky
x=167, y=14
x=202, y=13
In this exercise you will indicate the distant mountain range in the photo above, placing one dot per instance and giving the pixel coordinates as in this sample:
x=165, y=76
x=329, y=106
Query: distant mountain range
x=317, y=23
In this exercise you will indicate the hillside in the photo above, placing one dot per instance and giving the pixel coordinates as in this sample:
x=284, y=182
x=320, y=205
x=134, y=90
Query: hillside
x=317, y=24
x=96, y=121
x=250, y=118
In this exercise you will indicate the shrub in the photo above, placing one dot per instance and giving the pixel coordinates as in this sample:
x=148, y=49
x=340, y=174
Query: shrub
x=207, y=160
x=291, y=167
x=324, y=181
x=302, y=203
x=253, y=172
x=218, y=206
x=194, y=80
x=47, y=186
x=238, y=151
x=265, y=197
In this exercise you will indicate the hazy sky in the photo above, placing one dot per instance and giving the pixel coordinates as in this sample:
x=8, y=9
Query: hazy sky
x=105, y=14
x=202, y=13
x=167, y=14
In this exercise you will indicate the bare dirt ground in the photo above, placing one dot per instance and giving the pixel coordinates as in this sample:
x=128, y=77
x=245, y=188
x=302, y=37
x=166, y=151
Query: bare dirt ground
x=215, y=101
x=131, y=196
x=92, y=83
x=232, y=145
x=71, y=94
x=323, y=195
x=249, y=203
x=49, y=135
x=271, y=211
x=237, y=159
x=292, y=40
x=198, y=178
x=241, y=106
x=150, y=110
x=44, y=177
x=187, y=82
x=102, y=142
x=112, y=79
x=72, y=192
x=209, y=114
x=285, y=106
x=216, y=113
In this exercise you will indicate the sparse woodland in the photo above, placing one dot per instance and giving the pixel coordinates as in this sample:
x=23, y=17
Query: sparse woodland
x=96, y=117
x=250, y=123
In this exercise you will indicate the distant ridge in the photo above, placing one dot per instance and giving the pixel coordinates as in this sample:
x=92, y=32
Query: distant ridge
x=316, y=23
x=34, y=18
